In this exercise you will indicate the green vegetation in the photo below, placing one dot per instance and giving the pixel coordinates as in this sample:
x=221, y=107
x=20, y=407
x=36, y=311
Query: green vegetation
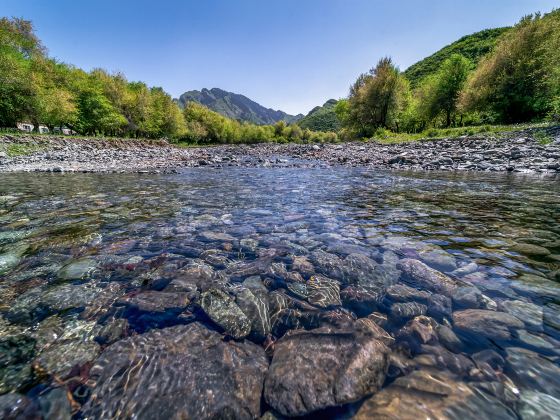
x=206, y=127
x=518, y=81
x=473, y=47
x=322, y=118
x=41, y=90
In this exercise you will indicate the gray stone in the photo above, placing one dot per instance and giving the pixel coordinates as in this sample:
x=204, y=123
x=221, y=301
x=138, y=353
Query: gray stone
x=221, y=309
x=323, y=292
x=487, y=324
x=419, y=275
x=322, y=368
x=199, y=376
x=531, y=371
x=538, y=406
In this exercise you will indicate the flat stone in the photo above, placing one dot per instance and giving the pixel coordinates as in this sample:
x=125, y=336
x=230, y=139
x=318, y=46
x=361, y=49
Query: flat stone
x=199, y=375
x=419, y=275
x=531, y=371
x=529, y=313
x=325, y=367
x=537, y=405
x=488, y=324
x=221, y=309
x=438, y=259
x=530, y=250
x=429, y=394
x=323, y=292
x=77, y=270
x=153, y=301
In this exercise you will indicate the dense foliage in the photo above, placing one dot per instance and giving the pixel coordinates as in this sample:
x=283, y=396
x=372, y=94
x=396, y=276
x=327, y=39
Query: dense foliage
x=517, y=81
x=473, y=47
x=41, y=90
x=206, y=126
x=322, y=118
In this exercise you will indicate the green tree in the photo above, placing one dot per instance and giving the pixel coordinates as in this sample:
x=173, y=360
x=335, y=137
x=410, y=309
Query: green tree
x=440, y=93
x=378, y=98
x=516, y=82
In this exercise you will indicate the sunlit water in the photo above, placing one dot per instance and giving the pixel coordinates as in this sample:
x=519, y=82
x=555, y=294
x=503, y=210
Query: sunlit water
x=75, y=247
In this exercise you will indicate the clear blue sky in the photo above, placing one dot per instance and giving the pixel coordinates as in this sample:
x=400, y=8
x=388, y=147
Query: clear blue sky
x=285, y=54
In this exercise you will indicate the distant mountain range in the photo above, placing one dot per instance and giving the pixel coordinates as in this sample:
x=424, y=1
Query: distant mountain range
x=236, y=106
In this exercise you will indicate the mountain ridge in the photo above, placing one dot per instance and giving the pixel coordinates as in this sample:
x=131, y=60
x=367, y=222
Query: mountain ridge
x=236, y=106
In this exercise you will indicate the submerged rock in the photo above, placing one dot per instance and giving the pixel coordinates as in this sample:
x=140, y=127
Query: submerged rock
x=537, y=405
x=429, y=394
x=254, y=304
x=152, y=301
x=199, y=375
x=221, y=309
x=419, y=275
x=487, y=324
x=78, y=269
x=531, y=371
x=325, y=367
x=323, y=292
x=17, y=406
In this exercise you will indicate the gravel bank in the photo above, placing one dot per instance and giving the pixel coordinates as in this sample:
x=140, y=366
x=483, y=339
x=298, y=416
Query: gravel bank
x=517, y=152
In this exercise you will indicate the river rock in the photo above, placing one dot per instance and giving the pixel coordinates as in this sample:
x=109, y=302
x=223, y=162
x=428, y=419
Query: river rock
x=429, y=394
x=15, y=406
x=55, y=405
x=438, y=259
x=404, y=311
x=323, y=292
x=531, y=250
x=470, y=297
x=221, y=309
x=403, y=293
x=529, y=313
x=487, y=324
x=77, y=270
x=419, y=275
x=200, y=376
x=254, y=304
x=312, y=370
x=362, y=299
x=153, y=301
x=533, y=372
x=16, y=352
x=537, y=405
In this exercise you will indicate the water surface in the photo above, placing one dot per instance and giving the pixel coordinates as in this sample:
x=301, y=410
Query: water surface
x=76, y=249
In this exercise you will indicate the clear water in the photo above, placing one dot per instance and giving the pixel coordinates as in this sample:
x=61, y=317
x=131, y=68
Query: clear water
x=72, y=245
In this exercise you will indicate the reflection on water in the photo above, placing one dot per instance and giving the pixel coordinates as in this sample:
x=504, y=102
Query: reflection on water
x=112, y=285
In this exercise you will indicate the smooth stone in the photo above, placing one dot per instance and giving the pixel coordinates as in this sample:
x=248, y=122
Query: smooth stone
x=153, y=301
x=538, y=406
x=531, y=314
x=61, y=357
x=254, y=304
x=438, y=259
x=419, y=275
x=530, y=250
x=403, y=293
x=323, y=292
x=216, y=236
x=15, y=406
x=470, y=297
x=16, y=352
x=55, y=405
x=221, y=309
x=465, y=270
x=531, y=371
x=362, y=299
x=430, y=394
x=321, y=368
x=487, y=324
x=403, y=311
x=77, y=270
x=199, y=376
x=449, y=339
x=8, y=262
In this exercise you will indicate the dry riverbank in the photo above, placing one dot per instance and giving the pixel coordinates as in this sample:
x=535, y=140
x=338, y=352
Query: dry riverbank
x=517, y=152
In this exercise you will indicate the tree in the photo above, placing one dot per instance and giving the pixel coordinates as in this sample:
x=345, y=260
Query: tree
x=517, y=82
x=378, y=98
x=440, y=93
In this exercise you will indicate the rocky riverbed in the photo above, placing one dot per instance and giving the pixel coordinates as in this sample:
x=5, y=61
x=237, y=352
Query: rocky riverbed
x=513, y=152
x=269, y=293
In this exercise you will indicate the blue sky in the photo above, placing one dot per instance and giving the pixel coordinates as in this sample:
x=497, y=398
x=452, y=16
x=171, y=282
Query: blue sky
x=285, y=54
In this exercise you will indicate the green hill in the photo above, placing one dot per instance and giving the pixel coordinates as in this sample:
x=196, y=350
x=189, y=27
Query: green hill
x=473, y=47
x=321, y=118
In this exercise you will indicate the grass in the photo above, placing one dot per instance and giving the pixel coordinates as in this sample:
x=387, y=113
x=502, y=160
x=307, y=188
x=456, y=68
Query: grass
x=385, y=136
x=13, y=150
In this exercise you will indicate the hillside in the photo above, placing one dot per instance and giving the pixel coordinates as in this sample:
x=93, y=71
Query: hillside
x=321, y=118
x=236, y=106
x=473, y=47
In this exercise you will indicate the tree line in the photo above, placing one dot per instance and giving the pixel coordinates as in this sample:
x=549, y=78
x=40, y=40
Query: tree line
x=518, y=81
x=42, y=90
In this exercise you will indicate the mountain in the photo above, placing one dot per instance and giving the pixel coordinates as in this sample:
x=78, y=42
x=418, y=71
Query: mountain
x=321, y=118
x=235, y=106
x=473, y=47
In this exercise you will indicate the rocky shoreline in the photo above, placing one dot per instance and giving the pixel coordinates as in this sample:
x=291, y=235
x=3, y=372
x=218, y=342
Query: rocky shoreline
x=516, y=152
